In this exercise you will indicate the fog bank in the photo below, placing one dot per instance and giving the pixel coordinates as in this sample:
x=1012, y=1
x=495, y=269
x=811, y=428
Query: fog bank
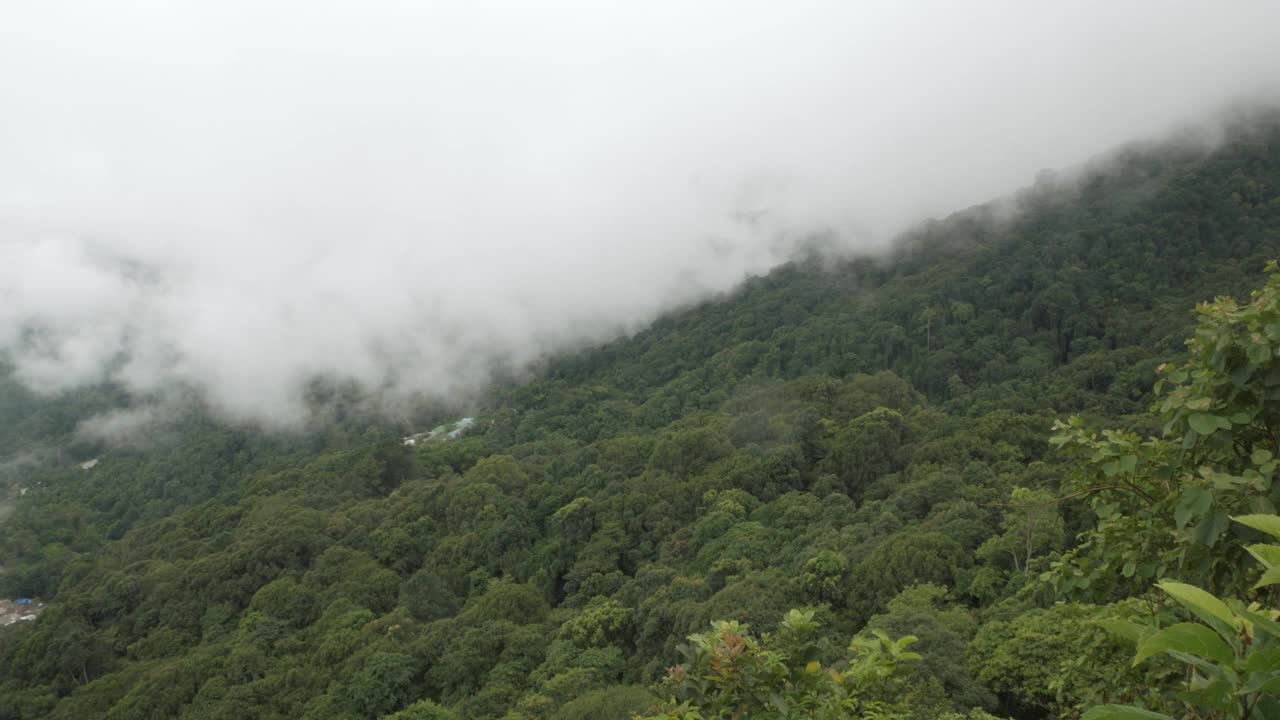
x=238, y=197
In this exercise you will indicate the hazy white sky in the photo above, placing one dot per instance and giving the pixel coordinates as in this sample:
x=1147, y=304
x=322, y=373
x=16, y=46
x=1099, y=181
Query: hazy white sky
x=243, y=194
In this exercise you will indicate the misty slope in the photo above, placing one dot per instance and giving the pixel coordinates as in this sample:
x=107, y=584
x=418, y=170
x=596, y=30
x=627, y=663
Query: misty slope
x=1111, y=261
x=845, y=437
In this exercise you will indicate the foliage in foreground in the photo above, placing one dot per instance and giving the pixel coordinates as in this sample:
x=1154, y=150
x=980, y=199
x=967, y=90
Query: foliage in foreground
x=730, y=673
x=1165, y=508
x=1230, y=656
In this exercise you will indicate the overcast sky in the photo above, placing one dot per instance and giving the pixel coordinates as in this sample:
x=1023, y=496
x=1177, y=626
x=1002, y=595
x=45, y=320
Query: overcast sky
x=244, y=194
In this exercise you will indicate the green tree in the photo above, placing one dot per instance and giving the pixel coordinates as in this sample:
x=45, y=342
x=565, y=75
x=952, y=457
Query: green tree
x=1032, y=526
x=824, y=578
x=867, y=448
x=383, y=683
x=729, y=672
x=422, y=710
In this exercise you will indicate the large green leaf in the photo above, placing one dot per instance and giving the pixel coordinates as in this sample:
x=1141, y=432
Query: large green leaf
x=1263, y=661
x=1263, y=623
x=1221, y=678
x=1122, y=712
x=1125, y=629
x=1265, y=683
x=1195, y=503
x=1265, y=707
x=1211, y=528
x=1204, y=605
x=1268, y=555
x=1189, y=638
x=1270, y=577
x=1269, y=524
x=1206, y=424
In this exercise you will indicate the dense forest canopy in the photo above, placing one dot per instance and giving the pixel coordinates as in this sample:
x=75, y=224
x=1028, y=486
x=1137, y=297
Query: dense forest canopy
x=845, y=464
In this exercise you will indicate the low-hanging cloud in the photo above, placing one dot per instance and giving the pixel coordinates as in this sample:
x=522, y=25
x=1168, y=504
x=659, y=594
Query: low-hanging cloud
x=240, y=196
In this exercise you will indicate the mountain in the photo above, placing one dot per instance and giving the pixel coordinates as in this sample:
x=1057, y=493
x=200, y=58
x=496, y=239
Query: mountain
x=863, y=439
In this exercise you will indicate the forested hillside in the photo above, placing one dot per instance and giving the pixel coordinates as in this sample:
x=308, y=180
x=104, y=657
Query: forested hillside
x=865, y=441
